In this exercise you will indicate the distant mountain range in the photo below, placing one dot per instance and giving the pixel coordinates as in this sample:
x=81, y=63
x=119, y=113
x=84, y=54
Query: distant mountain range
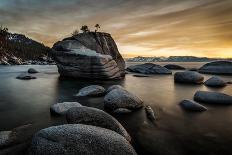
x=173, y=59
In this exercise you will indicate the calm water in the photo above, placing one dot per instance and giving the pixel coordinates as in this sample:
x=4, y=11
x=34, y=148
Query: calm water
x=177, y=132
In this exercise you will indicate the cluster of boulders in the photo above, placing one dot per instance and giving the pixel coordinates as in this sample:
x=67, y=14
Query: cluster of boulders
x=28, y=75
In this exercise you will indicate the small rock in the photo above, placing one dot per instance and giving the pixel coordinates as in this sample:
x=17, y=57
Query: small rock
x=150, y=113
x=32, y=71
x=62, y=108
x=95, y=117
x=215, y=82
x=75, y=139
x=188, y=77
x=192, y=106
x=174, y=67
x=122, y=111
x=25, y=76
x=140, y=75
x=148, y=68
x=213, y=98
x=93, y=90
x=114, y=87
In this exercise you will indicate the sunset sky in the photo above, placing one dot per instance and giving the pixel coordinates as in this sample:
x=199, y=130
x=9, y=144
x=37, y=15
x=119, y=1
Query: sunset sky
x=140, y=27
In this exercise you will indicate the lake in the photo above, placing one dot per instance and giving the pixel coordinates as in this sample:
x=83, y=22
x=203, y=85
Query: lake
x=176, y=131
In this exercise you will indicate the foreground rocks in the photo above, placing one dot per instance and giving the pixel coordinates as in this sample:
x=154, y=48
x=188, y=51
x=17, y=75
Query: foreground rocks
x=215, y=82
x=73, y=139
x=217, y=67
x=174, y=67
x=62, y=108
x=25, y=76
x=89, y=55
x=121, y=98
x=188, y=77
x=190, y=105
x=213, y=98
x=93, y=90
x=148, y=68
x=95, y=117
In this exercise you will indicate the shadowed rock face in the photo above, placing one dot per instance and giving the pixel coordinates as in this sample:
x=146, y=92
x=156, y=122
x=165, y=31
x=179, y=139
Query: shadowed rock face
x=217, y=67
x=89, y=55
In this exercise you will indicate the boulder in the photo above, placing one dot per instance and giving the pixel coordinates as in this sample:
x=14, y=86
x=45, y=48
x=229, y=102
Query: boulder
x=192, y=106
x=188, y=77
x=213, y=98
x=95, y=117
x=217, y=67
x=121, y=98
x=25, y=76
x=89, y=55
x=74, y=139
x=148, y=68
x=174, y=67
x=122, y=111
x=114, y=87
x=62, y=108
x=93, y=90
x=215, y=82
x=32, y=71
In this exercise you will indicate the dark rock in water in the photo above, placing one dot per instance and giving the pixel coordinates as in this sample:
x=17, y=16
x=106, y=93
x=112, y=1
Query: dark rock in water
x=213, y=98
x=174, y=67
x=114, y=87
x=140, y=75
x=192, y=106
x=62, y=108
x=229, y=82
x=75, y=139
x=95, y=117
x=121, y=98
x=193, y=69
x=215, y=82
x=32, y=71
x=93, y=90
x=122, y=111
x=150, y=113
x=148, y=68
x=89, y=55
x=217, y=67
x=188, y=77
x=25, y=76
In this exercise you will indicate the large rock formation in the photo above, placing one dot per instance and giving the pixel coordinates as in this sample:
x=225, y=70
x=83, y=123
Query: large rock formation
x=89, y=55
x=217, y=67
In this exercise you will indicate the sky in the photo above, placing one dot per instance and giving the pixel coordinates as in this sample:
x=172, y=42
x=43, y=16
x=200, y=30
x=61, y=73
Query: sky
x=139, y=27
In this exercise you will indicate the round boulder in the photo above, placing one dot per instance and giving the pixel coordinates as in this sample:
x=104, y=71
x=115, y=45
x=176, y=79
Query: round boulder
x=174, y=67
x=121, y=98
x=217, y=67
x=93, y=90
x=213, y=98
x=188, y=77
x=73, y=139
x=215, y=82
x=32, y=71
x=62, y=108
x=192, y=106
x=95, y=117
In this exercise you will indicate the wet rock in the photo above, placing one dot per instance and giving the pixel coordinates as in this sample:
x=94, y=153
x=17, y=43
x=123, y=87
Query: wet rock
x=121, y=98
x=93, y=90
x=188, y=77
x=150, y=113
x=25, y=76
x=217, y=67
x=193, y=69
x=213, y=98
x=148, y=68
x=114, y=87
x=122, y=111
x=95, y=117
x=62, y=108
x=73, y=139
x=192, y=106
x=32, y=71
x=174, y=67
x=215, y=82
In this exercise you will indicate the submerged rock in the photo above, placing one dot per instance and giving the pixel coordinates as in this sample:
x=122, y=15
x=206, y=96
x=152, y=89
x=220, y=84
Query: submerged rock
x=149, y=68
x=174, y=67
x=32, y=71
x=62, y=108
x=188, y=77
x=95, y=117
x=74, y=139
x=215, y=82
x=93, y=90
x=217, y=67
x=89, y=55
x=25, y=76
x=213, y=98
x=192, y=106
x=114, y=87
x=121, y=98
